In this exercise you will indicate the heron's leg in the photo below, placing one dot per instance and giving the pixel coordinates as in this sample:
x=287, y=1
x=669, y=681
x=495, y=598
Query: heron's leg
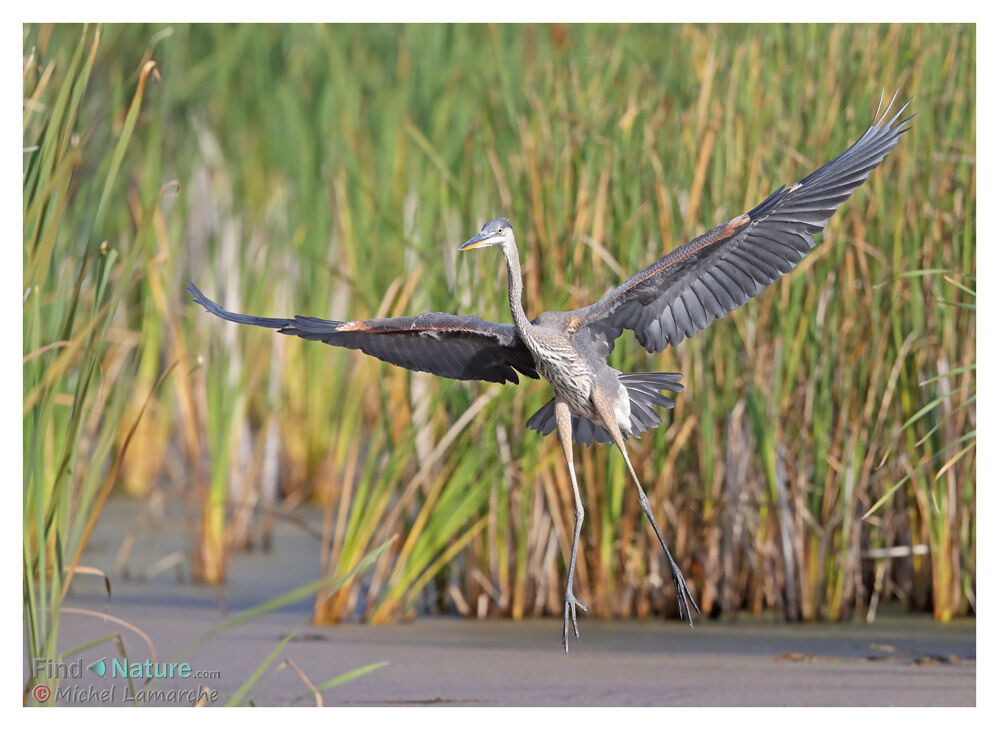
x=564, y=421
x=683, y=597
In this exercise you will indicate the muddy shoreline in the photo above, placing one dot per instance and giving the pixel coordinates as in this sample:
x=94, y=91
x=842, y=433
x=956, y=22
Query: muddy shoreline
x=897, y=660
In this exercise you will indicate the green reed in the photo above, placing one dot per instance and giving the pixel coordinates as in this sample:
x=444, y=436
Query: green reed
x=81, y=250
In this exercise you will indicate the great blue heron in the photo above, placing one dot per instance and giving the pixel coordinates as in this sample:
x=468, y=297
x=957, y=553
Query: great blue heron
x=676, y=297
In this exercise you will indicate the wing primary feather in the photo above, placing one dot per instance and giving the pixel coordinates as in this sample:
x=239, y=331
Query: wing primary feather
x=448, y=345
x=684, y=291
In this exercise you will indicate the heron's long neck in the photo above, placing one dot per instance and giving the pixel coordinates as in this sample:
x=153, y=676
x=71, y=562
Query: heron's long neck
x=516, y=284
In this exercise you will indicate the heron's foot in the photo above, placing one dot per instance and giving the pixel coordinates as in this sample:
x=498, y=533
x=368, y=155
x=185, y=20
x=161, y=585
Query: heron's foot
x=570, y=606
x=683, y=598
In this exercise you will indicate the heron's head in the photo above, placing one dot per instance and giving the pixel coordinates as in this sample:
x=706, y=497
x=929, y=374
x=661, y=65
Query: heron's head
x=497, y=232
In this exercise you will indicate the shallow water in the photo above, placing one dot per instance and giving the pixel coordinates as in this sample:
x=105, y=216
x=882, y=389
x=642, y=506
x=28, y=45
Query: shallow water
x=898, y=660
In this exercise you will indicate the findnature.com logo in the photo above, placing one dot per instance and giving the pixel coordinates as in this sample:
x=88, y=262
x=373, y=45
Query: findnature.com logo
x=109, y=669
x=122, y=668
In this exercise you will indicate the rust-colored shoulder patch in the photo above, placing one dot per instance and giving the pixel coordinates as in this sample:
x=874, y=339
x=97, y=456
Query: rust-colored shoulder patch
x=736, y=223
x=354, y=327
x=723, y=231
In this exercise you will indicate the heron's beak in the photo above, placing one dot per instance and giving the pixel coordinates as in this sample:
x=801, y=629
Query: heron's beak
x=479, y=239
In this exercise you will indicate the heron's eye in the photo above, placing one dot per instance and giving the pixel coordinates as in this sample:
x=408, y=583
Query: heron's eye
x=500, y=229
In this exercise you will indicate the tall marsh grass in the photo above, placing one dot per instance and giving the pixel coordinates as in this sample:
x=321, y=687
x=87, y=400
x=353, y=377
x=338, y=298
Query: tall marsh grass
x=816, y=463
x=83, y=249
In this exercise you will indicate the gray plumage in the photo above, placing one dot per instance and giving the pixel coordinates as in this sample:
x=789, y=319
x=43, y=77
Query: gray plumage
x=644, y=394
x=674, y=298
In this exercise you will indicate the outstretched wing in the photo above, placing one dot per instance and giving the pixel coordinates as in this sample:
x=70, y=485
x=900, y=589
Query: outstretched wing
x=464, y=348
x=708, y=277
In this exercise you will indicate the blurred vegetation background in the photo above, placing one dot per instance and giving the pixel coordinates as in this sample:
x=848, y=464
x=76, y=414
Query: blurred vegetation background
x=821, y=459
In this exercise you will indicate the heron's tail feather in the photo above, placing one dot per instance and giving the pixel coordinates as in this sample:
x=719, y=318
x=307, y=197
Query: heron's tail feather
x=644, y=391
